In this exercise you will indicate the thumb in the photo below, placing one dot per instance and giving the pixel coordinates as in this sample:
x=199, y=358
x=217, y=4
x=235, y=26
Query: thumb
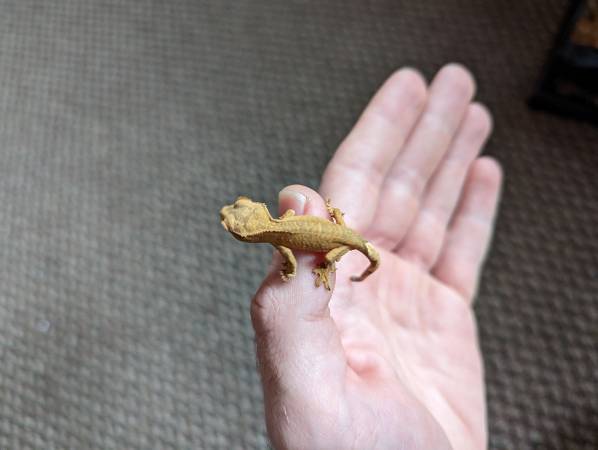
x=303, y=296
x=298, y=345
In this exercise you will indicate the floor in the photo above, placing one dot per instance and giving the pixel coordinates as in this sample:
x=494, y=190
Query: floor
x=124, y=319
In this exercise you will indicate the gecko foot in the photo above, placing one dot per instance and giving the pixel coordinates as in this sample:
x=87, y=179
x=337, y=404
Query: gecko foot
x=287, y=272
x=286, y=276
x=335, y=214
x=323, y=275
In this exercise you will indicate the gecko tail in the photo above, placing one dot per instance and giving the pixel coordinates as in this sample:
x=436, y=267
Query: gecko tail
x=370, y=252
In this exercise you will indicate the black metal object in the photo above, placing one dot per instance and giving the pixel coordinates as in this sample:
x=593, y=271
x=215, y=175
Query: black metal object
x=569, y=83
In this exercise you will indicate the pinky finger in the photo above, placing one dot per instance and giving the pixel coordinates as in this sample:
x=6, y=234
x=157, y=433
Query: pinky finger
x=471, y=228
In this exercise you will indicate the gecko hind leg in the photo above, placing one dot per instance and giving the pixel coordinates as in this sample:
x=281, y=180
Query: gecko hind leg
x=335, y=213
x=289, y=265
x=327, y=267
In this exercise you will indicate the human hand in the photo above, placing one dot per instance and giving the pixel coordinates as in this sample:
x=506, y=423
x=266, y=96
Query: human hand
x=391, y=362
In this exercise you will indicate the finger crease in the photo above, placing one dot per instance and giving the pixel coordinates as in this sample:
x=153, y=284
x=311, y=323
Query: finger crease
x=407, y=179
x=361, y=168
x=438, y=124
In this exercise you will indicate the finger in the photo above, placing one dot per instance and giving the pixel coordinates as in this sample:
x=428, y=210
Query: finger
x=297, y=342
x=357, y=170
x=450, y=93
x=425, y=237
x=469, y=233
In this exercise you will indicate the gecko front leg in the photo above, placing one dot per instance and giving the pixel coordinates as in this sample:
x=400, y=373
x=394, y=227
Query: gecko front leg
x=335, y=213
x=327, y=267
x=289, y=265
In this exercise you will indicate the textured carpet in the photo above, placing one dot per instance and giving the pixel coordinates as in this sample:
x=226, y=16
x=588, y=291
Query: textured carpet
x=125, y=125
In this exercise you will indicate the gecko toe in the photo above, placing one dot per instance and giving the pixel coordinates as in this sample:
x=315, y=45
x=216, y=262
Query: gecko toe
x=323, y=275
x=286, y=276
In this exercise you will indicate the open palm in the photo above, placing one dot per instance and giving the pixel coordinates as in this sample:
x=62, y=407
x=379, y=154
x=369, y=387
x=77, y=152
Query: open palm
x=393, y=361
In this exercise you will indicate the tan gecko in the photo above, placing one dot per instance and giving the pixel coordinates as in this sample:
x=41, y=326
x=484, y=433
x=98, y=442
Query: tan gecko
x=250, y=221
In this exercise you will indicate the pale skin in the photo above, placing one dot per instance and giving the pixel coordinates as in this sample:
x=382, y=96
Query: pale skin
x=392, y=362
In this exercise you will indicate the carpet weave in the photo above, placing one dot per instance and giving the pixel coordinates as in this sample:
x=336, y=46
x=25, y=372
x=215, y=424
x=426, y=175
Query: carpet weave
x=125, y=125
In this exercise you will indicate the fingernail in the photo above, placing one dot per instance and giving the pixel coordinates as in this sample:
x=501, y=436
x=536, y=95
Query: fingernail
x=290, y=199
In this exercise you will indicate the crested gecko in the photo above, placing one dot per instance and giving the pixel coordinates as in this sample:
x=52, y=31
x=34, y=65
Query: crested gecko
x=250, y=221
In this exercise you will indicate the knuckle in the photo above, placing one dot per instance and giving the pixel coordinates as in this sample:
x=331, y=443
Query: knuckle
x=407, y=183
x=425, y=239
x=422, y=256
x=440, y=127
x=264, y=310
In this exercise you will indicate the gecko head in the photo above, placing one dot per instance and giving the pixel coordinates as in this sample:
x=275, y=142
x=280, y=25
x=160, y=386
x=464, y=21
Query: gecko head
x=244, y=217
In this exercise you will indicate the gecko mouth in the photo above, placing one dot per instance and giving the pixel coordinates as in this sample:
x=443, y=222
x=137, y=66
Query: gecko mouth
x=223, y=219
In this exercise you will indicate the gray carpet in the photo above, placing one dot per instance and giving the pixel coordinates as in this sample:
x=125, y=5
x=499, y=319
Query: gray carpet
x=125, y=125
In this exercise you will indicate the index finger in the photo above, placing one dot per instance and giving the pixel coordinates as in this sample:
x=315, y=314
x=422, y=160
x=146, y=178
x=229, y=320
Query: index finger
x=355, y=174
